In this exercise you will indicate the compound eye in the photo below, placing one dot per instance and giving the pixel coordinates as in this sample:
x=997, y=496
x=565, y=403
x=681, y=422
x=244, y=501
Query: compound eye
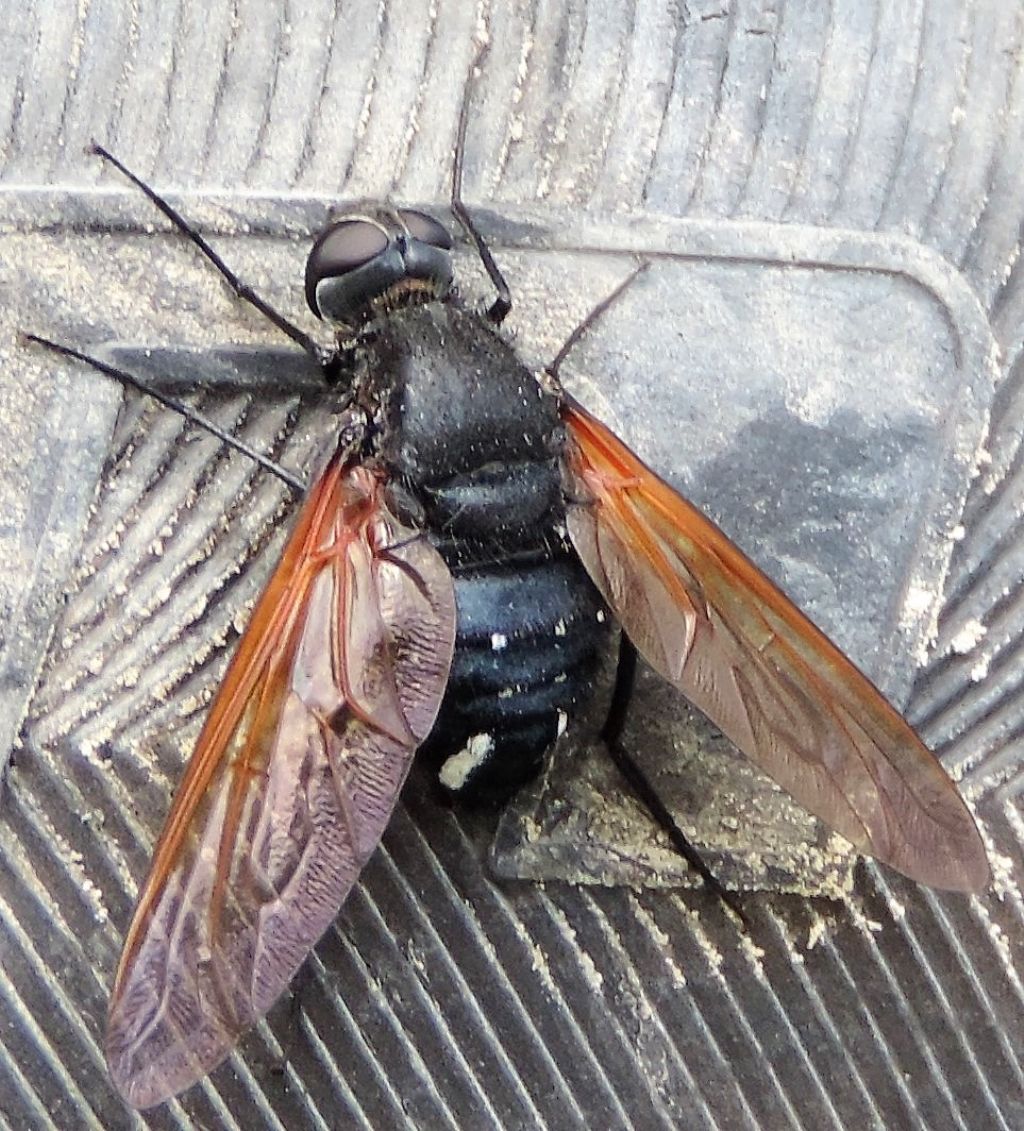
x=345, y=246
x=426, y=229
x=342, y=248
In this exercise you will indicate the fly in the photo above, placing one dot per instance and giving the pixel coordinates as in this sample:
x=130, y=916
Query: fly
x=446, y=586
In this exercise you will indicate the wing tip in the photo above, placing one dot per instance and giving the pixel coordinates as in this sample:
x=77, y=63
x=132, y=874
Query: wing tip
x=140, y=1087
x=956, y=864
x=150, y=1059
x=145, y=1079
x=970, y=875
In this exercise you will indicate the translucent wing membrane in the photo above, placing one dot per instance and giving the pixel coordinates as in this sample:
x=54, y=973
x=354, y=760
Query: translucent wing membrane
x=336, y=681
x=711, y=623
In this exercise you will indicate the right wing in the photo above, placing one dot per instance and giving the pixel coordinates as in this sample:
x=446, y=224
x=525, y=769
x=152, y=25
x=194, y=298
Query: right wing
x=336, y=681
x=705, y=617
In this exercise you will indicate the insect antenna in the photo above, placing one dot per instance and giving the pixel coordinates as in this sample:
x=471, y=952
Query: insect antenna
x=503, y=303
x=327, y=358
x=297, y=485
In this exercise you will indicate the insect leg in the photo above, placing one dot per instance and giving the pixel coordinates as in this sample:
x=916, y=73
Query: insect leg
x=325, y=358
x=129, y=379
x=503, y=303
x=625, y=676
x=594, y=315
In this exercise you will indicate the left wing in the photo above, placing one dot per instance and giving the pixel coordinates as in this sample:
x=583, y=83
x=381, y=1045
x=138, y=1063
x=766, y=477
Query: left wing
x=708, y=620
x=336, y=681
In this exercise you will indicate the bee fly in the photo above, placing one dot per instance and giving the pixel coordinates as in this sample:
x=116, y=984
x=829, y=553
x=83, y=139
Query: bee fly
x=446, y=583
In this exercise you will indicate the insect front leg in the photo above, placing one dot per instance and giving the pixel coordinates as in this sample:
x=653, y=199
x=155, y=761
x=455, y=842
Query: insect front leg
x=328, y=359
x=498, y=309
x=130, y=381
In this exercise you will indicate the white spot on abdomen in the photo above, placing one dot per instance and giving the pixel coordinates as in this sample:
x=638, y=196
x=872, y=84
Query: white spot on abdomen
x=457, y=769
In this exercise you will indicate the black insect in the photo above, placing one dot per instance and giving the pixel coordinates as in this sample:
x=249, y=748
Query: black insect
x=447, y=583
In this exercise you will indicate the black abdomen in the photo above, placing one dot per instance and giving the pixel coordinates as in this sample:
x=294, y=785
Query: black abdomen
x=478, y=445
x=530, y=627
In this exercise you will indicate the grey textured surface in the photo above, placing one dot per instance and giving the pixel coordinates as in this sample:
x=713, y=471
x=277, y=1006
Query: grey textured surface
x=837, y=194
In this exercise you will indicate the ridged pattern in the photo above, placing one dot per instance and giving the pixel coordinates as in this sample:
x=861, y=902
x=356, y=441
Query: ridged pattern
x=440, y=1000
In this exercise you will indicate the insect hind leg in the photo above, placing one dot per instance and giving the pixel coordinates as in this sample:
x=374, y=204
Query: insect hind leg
x=611, y=734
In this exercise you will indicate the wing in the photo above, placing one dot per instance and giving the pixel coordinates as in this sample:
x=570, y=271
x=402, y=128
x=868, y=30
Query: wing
x=711, y=623
x=336, y=681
